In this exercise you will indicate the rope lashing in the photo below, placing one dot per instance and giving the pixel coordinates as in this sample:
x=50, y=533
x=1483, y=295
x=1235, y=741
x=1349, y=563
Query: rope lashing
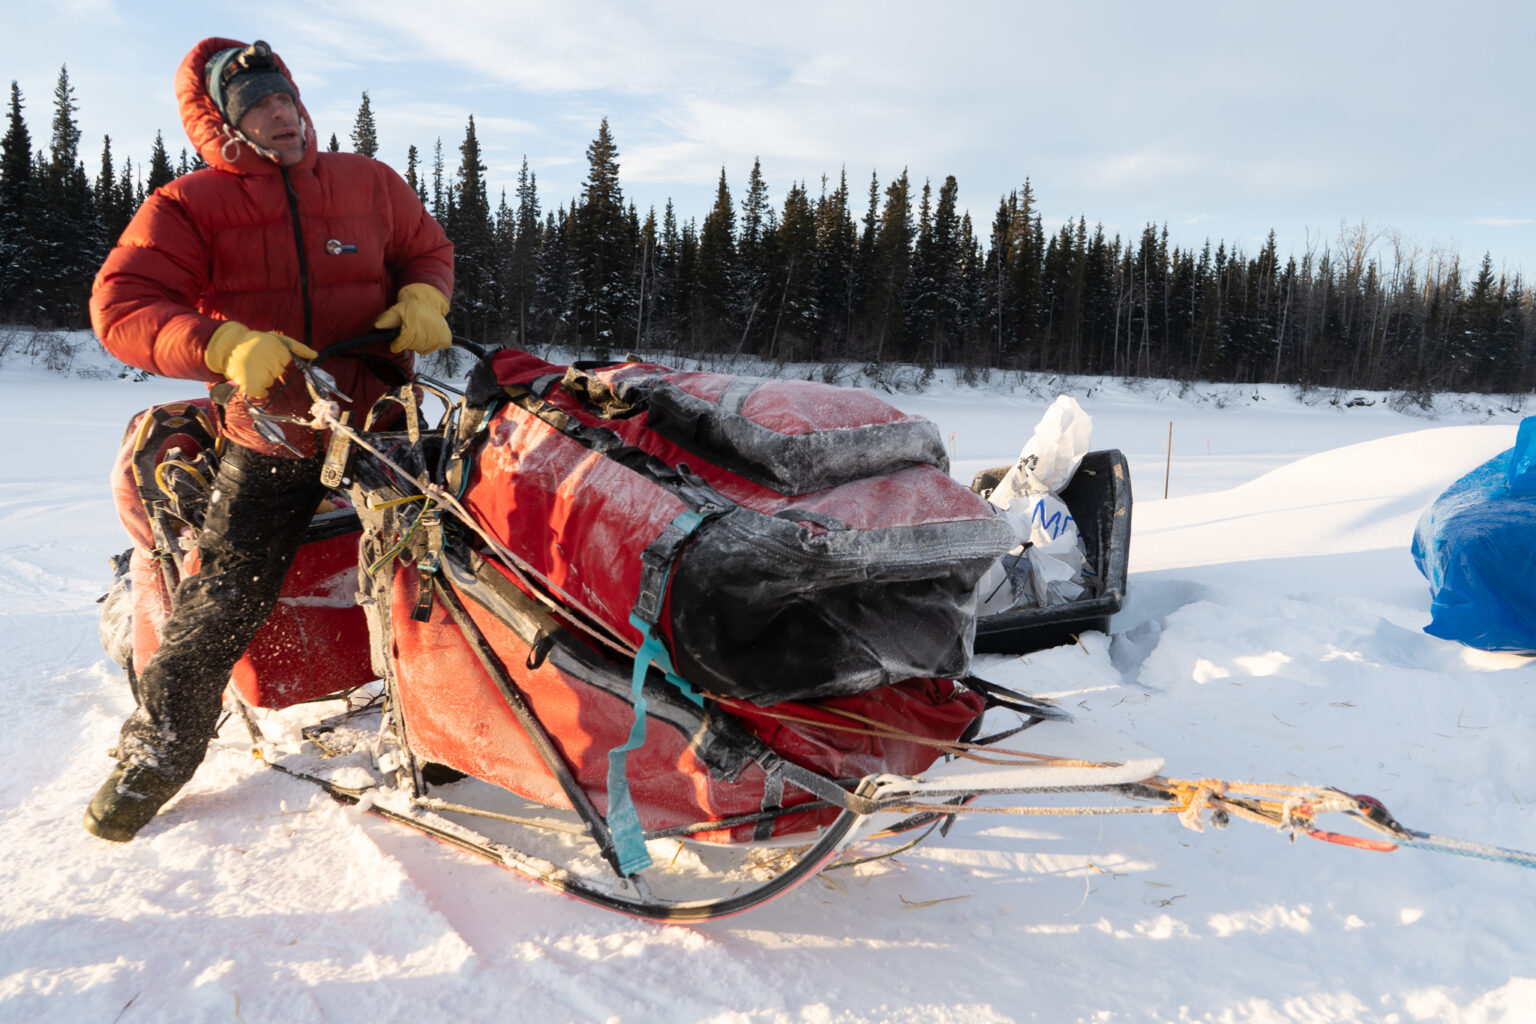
x=1290, y=809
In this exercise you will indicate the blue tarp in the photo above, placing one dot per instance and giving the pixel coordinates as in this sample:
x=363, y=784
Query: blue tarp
x=1476, y=544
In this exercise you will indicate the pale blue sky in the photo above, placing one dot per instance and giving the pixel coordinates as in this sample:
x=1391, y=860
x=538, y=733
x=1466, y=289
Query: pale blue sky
x=1222, y=119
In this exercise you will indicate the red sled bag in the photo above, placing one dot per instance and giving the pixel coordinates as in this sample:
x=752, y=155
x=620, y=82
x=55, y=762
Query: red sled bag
x=315, y=641
x=784, y=540
x=722, y=764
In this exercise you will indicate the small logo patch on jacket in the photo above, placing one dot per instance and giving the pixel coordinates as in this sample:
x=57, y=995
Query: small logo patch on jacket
x=336, y=248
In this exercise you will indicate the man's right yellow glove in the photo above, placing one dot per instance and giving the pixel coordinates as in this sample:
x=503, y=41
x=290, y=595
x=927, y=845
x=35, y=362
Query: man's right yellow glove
x=252, y=359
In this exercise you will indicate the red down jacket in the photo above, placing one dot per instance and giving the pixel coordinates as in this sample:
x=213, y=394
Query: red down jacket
x=316, y=251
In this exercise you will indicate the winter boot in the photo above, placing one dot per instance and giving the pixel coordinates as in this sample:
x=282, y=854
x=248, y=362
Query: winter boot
x=127, y=801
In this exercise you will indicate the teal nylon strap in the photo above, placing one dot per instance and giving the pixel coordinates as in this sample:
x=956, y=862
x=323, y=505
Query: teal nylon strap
x=623, y=819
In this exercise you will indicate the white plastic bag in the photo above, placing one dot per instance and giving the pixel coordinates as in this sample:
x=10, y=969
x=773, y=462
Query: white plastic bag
x=1005, y=584
x=1052, y=548
x=1051, y=455
x=1056, y=567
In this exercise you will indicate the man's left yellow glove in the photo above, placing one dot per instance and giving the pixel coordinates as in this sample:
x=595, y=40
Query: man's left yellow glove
x=421, y=315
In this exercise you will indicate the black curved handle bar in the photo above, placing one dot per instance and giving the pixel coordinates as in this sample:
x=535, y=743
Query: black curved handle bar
x=342, y=348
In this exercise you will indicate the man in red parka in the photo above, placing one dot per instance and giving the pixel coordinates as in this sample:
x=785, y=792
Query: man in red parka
x=225, y=275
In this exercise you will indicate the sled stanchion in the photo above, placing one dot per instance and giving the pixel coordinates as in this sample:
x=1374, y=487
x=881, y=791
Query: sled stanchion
x=491, y=662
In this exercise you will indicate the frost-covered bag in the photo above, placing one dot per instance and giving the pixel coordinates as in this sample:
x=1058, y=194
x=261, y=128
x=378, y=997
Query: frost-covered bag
x=786, y=540
x=1047, y=569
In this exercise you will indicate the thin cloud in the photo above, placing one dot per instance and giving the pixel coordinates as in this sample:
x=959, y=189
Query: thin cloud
x=96, y=11
x=1142, y=168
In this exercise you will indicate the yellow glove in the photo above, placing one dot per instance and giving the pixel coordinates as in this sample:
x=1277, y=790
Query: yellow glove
x=252, y=359
x=419, y=314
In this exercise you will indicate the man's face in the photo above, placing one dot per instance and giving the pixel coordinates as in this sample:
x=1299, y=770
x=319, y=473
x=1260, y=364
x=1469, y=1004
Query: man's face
x=274, y=124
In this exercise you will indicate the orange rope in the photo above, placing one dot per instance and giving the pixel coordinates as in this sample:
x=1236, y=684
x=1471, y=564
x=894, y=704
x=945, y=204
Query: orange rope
x=1196, y=801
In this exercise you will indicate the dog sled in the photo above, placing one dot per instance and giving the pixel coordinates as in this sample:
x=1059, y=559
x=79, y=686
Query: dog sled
x=671, y=643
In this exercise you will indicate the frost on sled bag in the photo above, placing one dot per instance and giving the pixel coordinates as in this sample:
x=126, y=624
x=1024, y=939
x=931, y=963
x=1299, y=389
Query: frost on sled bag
x=698, y=764
x=792, y=540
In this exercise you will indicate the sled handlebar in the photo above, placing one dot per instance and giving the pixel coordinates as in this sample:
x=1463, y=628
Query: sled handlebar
x=322, y=386
x=342, y=348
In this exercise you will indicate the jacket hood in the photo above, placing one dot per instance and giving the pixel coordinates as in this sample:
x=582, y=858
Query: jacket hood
x=215, y=140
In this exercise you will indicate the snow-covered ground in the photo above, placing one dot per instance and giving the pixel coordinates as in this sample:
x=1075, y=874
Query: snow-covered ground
x=1272, y=633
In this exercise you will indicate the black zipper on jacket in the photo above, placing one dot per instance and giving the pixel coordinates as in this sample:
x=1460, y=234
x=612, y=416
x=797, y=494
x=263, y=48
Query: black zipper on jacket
x=298, y=241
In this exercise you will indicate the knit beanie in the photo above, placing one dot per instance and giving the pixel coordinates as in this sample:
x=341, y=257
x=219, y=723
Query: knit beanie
x=241, y=77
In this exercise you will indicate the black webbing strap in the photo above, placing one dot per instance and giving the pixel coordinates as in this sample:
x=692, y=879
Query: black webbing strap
x=1003, y=697
x=656, y=570
x=431, y=523
x=773, y=800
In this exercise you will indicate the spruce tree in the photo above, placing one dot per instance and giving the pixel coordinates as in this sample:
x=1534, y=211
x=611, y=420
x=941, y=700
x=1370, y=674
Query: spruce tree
x=439, y=195
x=559, y=289
x=15, y=153
x=1484, y=307
x=1025, y=259
x=160, y=170
x=365, y=136
x=972, y=284
x=17, y=198
x=335, y=146
x=127, y=194
x=751, y=257
x=837, y=245
x=111, y=206
x=503, y=242
x=413, y=175
x=603, y=243
x=793, y=318
x=105, y=192
x=687, y=312
x=64, y=225
x=663, y=324
x=476, y=297
x=715, y=273
x=890, y=271
x=922, y=301
x=65, y=144
x=947, y=270
x=998, y=303
x=526, y=252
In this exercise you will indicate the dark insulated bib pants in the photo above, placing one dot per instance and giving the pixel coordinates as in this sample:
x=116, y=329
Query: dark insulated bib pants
x=259, y=510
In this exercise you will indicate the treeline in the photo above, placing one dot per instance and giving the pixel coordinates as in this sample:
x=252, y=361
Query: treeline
x=56, y=224
x=897, y=274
